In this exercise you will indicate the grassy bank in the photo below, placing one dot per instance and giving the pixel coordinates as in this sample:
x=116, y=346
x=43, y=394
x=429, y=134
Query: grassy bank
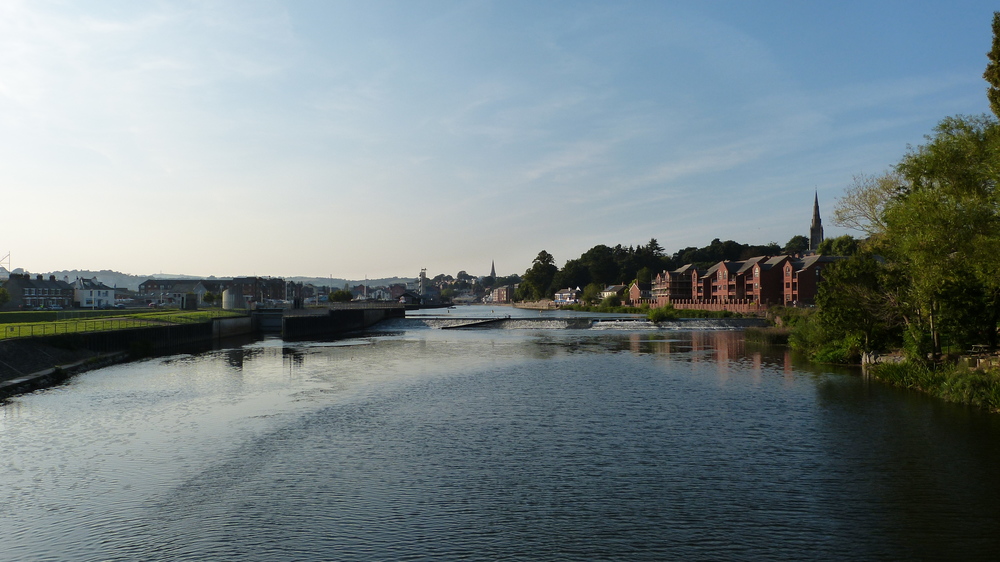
x=606, y=309
x=668, y=312
x=12, y=328
x=948, y=382
x=769, y=336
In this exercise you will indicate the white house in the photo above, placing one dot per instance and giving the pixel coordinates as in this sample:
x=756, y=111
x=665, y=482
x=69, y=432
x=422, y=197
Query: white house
x=91, y=293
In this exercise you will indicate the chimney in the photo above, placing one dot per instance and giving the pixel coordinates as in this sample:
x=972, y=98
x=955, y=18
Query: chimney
x=39, y=277
x=52, y=277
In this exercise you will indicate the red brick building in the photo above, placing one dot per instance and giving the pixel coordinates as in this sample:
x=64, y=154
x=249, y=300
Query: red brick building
x=759, y=281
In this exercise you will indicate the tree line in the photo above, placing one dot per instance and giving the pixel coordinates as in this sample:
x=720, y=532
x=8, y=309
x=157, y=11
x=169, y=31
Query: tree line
x=602, y=265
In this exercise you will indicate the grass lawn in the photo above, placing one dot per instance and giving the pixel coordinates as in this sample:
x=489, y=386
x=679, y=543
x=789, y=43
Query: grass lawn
x=29, y=324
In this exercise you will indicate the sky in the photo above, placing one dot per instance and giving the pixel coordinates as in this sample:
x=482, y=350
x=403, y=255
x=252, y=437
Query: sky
x=373, y=139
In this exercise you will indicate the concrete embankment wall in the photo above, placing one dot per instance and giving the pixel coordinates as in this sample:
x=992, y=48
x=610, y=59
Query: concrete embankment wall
x=229, y=327
x=31, y=363
x=335, y=322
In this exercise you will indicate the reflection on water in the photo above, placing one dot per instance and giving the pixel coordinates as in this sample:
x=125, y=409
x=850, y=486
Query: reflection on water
x=527, y=444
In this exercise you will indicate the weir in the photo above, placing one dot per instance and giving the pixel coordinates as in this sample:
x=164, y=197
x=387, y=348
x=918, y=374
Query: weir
x=576, y=323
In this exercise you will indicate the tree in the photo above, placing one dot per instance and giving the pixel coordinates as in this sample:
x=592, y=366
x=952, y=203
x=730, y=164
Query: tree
x=208, y=298
x=992, y=74
x=845, y=245
x=600, y=261
x=537, y=281
x=858, y=304
x=341, y=295
x=644, y=275
x=796, y=245
x=4, y=297
x=862, y=208
x=592, y=293
x=654, y=248
x=943, y=230
x=574, y=274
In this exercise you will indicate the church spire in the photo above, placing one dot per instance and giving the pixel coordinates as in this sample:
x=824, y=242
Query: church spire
x=493, y=269
x=816, y=228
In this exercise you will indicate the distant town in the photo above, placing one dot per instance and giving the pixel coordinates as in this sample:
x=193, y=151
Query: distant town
x=639, y=276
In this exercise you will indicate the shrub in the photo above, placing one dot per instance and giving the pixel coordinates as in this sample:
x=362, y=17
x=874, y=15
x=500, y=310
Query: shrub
x=770, y=336
x=662, y=314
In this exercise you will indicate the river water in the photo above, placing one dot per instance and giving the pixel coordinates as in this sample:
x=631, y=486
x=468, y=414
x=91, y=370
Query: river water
x=535, y=444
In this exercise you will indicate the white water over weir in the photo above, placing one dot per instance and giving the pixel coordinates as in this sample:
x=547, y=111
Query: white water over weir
x=572, y=323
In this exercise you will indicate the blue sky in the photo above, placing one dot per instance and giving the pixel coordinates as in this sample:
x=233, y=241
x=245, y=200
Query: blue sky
x=373, y=139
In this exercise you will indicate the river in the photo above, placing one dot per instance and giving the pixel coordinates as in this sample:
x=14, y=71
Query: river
x=521, y=444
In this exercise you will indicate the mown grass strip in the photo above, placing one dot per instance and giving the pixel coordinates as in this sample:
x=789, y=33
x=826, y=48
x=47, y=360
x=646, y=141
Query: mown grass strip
x=120, y=322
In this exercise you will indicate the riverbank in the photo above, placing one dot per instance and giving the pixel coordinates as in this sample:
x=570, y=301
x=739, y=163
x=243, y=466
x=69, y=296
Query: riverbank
x=24, y=357
x=30, y=364
x=51, y=376
x=951, y=383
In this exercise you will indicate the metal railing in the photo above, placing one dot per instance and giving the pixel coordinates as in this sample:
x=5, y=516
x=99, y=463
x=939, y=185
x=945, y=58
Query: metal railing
x=85, y=325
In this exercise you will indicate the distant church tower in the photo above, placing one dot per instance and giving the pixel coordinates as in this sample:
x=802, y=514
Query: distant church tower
x=493, y=269
x=816, y=228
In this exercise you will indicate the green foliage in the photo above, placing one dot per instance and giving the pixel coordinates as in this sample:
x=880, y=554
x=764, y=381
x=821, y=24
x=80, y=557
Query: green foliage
x=663, y=313
x=846, y=349
x=341, y=295
x=949, y=382
x=611, y=301
x=856, y=305
x=718, y=251
x=592, y=293
x=992, y=74
x=769, y=336
x=644, y=275
x=4, y=296
x=686, y=313
x=943, y=232
x=208, y=298
x=862, y=207
x=537, y=281
x=845, y=245
x=935, y=223
x=644, y=309
x=796, y=245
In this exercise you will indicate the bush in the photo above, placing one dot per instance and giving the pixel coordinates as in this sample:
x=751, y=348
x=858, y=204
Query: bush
x=948, y=382
x=611, y=302
x=341, y=295
x=662, y=314
x=770, y=336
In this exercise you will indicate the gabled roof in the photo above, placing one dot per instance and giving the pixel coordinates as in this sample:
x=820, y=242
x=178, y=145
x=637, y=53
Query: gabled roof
x=731, y=266
x=749, y=263
x=185, y=286
x=809, y=261
x=91, y=285
x=711, y=271
x=26, y=281
x=774, y=261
